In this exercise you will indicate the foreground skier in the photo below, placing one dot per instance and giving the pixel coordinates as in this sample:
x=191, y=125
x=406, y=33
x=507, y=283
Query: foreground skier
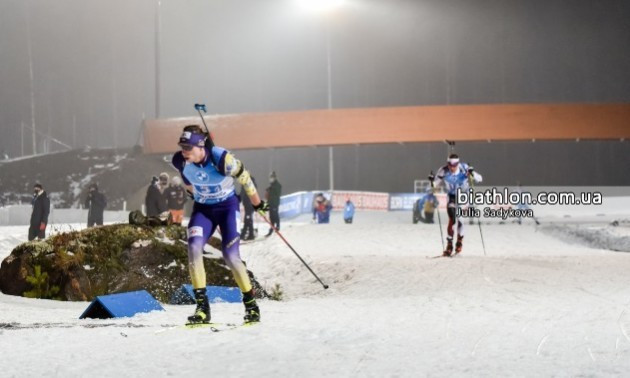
x=454, y=175
x=208, y=173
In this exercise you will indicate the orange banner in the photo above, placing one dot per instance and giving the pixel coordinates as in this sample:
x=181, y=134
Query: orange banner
x=400, y=125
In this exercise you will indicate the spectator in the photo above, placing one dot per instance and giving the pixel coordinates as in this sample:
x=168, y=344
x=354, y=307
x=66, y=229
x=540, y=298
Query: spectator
x=39, y=216
x=95, y=203
x=163, y=182
x=175, y=196
x=154, y=200
x=348, y=211
x=321, y=209
x=273, y=198
x=248, y=233
x=427, y=205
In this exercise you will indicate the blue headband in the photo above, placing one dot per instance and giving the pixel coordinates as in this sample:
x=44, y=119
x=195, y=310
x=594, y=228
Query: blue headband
x=192, y=139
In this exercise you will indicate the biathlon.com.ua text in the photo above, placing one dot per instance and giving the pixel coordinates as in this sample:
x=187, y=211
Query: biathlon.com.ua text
x=505, y=197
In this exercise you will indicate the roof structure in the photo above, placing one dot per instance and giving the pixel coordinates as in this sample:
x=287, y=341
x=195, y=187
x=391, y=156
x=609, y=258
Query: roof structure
x=400, y=125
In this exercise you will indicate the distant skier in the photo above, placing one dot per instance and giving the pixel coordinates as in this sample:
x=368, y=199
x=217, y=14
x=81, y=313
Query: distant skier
x=348, y=211
x=95, y=203
x=454, y=175
x=39, y=216
x=208, y=172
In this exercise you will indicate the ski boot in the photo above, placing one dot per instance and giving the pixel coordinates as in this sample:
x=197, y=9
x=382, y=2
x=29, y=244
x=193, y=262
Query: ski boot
x=252, y=312
x=449, y=248
x=459, y=245
x=202, y=312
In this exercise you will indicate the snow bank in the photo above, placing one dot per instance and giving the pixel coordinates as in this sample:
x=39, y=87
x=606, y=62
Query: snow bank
x=533, y=305
x=607, y=237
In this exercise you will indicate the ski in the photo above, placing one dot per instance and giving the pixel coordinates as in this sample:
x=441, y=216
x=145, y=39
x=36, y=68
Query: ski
x=218, y=327
x=450, y=257
x=212, y=327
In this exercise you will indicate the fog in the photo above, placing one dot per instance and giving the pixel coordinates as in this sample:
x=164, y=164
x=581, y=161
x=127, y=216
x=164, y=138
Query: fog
x=96, y=65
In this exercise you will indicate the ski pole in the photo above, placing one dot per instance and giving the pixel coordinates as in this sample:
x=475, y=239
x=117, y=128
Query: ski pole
x=199, y=108
x=289, y=245
x=439, y=217
x=472, y=186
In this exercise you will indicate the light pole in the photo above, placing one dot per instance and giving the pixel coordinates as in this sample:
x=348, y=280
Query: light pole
x=158, y=42
x=31, y=80
x=331, y=161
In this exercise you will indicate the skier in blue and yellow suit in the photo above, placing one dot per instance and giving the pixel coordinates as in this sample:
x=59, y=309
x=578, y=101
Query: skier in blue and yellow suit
x=208, y=172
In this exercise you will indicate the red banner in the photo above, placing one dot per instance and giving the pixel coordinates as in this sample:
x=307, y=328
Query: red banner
x=361, y=200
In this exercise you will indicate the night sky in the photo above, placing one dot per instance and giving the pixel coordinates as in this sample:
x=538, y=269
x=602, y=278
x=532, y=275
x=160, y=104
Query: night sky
x=94, y=63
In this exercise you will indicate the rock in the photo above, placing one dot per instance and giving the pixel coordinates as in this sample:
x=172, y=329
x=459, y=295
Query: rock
x=110, y=259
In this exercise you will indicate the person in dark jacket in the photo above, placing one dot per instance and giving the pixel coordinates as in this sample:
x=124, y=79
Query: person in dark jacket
x=154, y=201
x=247, y=233
x=39, y=216
x=95, y=203
x=273, y=198
x=175, y=196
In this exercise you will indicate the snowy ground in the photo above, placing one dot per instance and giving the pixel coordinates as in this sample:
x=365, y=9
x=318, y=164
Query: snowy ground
x=536, y=305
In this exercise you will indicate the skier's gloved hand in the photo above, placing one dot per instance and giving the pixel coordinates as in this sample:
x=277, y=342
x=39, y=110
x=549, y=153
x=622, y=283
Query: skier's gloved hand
x=431, y=177
x=471, y=170
x=262, y=207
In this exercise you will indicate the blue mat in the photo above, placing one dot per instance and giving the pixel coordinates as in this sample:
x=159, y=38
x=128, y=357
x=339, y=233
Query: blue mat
x=216, y=294
x=121, y=305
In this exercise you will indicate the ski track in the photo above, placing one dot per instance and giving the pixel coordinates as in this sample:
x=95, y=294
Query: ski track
x=535, y=306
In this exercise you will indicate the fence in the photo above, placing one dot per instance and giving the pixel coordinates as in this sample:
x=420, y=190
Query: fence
x=17, y=215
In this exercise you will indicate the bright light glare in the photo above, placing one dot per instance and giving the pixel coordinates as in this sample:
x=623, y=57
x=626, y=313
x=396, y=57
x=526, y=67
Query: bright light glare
x=320, y=6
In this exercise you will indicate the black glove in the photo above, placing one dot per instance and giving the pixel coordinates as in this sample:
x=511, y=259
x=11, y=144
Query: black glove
x=470, y=170
x=262, y=207
x=431, y=177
